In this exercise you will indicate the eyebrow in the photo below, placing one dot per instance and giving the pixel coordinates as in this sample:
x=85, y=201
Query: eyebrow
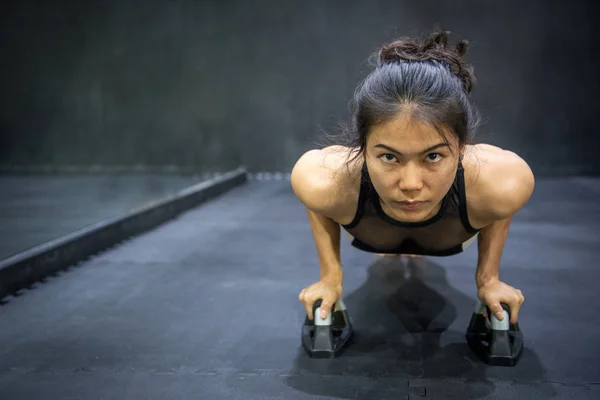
x=391, y=149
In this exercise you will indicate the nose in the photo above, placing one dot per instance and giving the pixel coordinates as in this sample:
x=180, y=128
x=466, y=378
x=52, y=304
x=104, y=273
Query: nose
x=410, y=179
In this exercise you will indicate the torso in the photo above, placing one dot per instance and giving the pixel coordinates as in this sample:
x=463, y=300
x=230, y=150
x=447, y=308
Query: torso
x=478, y=164
x=491, y=184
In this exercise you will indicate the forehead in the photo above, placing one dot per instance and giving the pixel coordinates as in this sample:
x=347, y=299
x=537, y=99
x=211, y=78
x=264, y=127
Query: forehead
x=406, y=132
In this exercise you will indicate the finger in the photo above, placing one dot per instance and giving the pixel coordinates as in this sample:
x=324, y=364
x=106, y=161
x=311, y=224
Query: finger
x=308, y=308
x=497, y=310
x=514, y=314
x=515, y=307
x=307, y=303
x=326, y=306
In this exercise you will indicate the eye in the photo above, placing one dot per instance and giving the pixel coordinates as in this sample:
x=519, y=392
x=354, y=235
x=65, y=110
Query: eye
x=434, y=157
x=388, y=158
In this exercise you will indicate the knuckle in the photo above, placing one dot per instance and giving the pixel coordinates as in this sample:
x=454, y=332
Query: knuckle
x=517, y=299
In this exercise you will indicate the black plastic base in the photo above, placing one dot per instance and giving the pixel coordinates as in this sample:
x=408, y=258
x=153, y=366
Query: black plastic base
x=327, y=341
x=481, y=345
x=494, y=347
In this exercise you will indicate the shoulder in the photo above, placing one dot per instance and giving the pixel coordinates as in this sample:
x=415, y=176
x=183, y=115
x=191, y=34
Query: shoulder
x=498, y=183
x=327, y=181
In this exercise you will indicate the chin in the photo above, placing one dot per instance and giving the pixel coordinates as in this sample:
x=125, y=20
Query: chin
x=413, y=216
x=419, y=215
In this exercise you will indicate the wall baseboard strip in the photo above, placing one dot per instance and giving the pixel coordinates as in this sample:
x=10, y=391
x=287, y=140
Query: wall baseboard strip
x=23, y=269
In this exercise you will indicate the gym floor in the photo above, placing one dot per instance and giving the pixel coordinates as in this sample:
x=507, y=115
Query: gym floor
x=35, y=209
x=206, y=307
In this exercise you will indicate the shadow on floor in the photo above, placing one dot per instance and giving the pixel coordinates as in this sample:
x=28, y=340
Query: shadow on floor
x=404, y=319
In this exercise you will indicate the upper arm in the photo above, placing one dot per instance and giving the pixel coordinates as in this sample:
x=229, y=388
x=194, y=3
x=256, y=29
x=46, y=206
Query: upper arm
x=504, y=186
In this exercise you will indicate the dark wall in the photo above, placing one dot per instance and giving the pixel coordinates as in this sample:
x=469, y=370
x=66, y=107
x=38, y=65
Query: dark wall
x=214, y=84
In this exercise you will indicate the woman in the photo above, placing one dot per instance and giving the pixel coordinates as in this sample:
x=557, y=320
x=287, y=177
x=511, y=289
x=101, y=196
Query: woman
x=408, y=179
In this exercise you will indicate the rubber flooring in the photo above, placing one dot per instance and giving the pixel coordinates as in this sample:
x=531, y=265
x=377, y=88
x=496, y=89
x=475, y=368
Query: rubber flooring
x=206, y=307
x=35, y=209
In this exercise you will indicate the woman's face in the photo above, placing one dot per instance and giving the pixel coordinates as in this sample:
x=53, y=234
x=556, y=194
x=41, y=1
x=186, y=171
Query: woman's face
x=409, y=161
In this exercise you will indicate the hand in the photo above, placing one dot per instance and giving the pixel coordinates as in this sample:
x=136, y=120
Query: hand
x=327, y=291
x=495, y=292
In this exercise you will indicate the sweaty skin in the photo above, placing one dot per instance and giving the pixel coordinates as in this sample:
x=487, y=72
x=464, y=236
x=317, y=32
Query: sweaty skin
x=498, y=183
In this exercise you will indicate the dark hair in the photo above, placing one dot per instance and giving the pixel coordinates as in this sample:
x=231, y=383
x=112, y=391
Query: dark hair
x=428, y=79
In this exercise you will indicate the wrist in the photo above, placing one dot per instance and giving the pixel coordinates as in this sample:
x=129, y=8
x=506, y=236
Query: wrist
x=484, y=279
x=333, y=277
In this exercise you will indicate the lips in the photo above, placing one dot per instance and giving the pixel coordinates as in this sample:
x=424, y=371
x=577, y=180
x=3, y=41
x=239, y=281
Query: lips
x=410, y=205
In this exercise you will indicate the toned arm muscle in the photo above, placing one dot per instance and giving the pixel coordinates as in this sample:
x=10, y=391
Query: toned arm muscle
x=313, y=185
x=503, y=188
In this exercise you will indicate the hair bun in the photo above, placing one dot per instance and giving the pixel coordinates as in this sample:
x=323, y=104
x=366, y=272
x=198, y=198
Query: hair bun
x=434, y=48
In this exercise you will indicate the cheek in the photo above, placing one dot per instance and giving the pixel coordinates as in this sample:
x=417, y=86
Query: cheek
x=440, y=184
x=384, y=184
x=388, y=180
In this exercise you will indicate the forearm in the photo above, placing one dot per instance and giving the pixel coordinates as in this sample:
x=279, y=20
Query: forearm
x=490, y=245
x=326, y=233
